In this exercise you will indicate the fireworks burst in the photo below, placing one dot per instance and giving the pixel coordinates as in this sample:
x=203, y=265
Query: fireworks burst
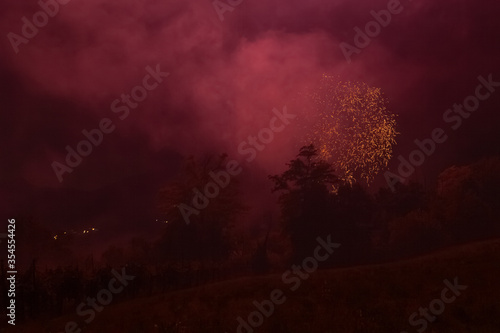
x=354, y=130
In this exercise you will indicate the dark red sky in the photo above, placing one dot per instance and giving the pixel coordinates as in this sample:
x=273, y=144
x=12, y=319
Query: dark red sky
x=225, y=78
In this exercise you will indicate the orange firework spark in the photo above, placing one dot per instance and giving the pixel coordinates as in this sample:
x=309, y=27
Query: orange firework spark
x=354, y=130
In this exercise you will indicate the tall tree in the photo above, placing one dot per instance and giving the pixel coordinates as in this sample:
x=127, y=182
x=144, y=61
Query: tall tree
x=305, y=199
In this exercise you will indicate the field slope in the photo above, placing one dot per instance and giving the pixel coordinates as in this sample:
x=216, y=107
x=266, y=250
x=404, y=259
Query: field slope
x=372, y=299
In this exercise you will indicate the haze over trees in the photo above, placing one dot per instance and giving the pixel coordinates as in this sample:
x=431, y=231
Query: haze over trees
x=314, y=202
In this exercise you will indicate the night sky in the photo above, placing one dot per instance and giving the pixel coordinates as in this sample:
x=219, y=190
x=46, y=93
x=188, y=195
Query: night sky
x=225, y=78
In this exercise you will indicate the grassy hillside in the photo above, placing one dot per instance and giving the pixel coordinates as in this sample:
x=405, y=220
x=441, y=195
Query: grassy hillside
x=378, y=298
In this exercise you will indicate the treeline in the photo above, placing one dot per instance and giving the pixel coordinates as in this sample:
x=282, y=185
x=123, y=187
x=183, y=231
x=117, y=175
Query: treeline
x=371, y=228
x=463, y=206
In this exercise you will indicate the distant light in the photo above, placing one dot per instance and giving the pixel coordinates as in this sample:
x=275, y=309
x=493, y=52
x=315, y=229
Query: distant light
x=93, y=229
x=55, y=237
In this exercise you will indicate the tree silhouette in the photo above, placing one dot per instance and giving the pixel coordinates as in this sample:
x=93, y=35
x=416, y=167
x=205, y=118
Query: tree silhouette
x=467, y=200
x=208, y=233
x=260, y=259
x=306, y=199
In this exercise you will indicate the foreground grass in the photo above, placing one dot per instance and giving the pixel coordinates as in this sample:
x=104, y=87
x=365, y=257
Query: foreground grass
x=378, y=298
